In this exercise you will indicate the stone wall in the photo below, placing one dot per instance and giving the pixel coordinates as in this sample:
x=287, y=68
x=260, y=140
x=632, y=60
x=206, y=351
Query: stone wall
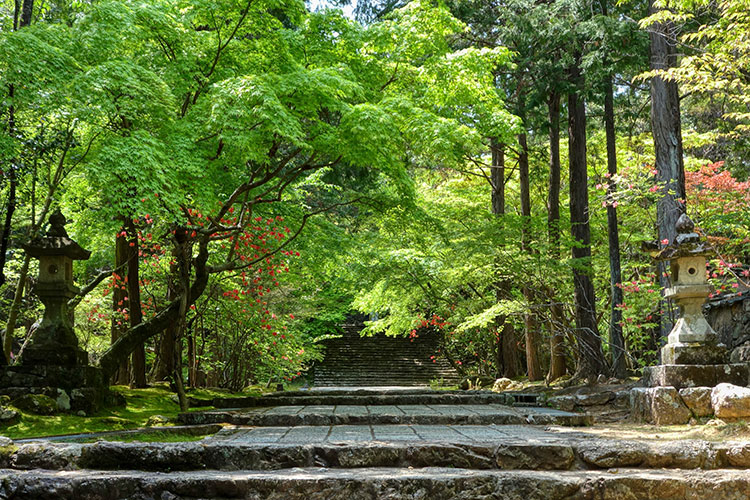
x=729, y=315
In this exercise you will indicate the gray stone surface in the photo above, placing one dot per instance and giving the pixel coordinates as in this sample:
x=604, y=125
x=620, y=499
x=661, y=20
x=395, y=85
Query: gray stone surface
x=437, y=414
x=658, y=405
x=740, y=354
x=681, y=376
x=667, y=407
x=475, y=447
x=694, y=354
x=379, y=483
x=328, y=396
x=9, y=416
x=38, y=404
x=731, y=401
x=698, y=400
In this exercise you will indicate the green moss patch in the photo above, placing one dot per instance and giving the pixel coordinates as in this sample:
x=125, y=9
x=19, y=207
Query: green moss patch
x=140, y=405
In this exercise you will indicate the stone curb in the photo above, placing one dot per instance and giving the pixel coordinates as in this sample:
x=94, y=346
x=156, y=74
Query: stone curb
x=517, y=454
x=358, y=399
x=366, y=484
x=238, y=417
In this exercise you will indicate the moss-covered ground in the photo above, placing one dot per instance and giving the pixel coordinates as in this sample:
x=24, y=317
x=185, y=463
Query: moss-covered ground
x=140, y=405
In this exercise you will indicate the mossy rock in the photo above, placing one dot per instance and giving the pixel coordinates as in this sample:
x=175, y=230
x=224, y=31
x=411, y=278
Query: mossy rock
x=7, y=449
x=38, y=404
x=157, y=421
x=117, y=422
x=9, y=416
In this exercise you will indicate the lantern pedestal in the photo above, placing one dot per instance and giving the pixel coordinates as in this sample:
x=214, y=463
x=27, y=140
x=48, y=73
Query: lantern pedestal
x=53, y=364
x=693, y=361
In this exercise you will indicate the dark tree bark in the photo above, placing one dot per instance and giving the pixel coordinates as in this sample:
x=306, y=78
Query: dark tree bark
x=590, y=356
x=497, y=176
x=616, y=340
x=531, y=325
x=121, y=374
x=667, y=132
x=553, y=207
x=138, y=357
x=165, y=365
x=557, y=366
x=130, y=340
x=506, y=354
x=26, y=12
x=20, y=20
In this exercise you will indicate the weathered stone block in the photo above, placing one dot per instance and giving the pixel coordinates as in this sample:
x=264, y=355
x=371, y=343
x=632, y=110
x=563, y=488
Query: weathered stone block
x=730, y=401
x=601, y=453
x=596, y=399
x=38, y=404
x=658, y=405
x=640, y=404
x=694, y=354
x=741, y=354
x=74, y=388
x=565, y=403
x=698, y=400
x=532, y=455
x=9, y=416
x=667, y=407
x=681, y=376
x=55, y=354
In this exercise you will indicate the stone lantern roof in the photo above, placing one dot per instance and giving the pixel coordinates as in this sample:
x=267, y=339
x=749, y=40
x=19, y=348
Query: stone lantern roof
x=687, y=243
x=56, y=242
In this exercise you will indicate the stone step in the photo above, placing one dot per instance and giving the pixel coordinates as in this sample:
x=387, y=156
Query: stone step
x=479, y=414
x=376, y=483
x=355, y=447
x=373, y=396
x=363, y=361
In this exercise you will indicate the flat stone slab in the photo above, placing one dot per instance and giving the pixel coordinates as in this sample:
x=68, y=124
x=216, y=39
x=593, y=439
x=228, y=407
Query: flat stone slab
x=377, y=483
x=470, y=447
x=365, y=396
x=683, y=376
x=466, y=414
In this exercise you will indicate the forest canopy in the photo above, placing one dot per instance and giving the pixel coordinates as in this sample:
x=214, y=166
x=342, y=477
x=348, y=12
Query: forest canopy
x=248, y=174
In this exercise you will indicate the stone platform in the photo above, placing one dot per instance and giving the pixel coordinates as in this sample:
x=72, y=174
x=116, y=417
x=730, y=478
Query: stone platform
x=395, y=452
x=682, y=376
x=75, y=388
x=386, y=415
x=388, y=395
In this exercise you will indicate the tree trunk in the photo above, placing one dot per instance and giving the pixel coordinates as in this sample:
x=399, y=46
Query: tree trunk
x=138, y=358
x=557, y=366
x=666, y=129
x=15, y=308
x=26, y=12
x=21, y=19
x=129, y=341
x=121, y=375
x=191, y=356
x=616, y=340
x=531, y=325
x=165, y=365
x=590, y=356
x=506, y=354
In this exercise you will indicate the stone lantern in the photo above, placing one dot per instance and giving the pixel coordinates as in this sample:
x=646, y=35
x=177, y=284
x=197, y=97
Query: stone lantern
x=692, y=341
x=55, y=341
x=693, y=356
x=53, y=364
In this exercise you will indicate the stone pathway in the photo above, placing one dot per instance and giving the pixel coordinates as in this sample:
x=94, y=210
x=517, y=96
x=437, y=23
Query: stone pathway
x=403, y=414
x=378, y=484
x=430, y=445
x=346, y=434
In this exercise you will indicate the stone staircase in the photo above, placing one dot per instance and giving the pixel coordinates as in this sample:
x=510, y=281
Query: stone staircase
x=378, y=443
x=353, y=360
